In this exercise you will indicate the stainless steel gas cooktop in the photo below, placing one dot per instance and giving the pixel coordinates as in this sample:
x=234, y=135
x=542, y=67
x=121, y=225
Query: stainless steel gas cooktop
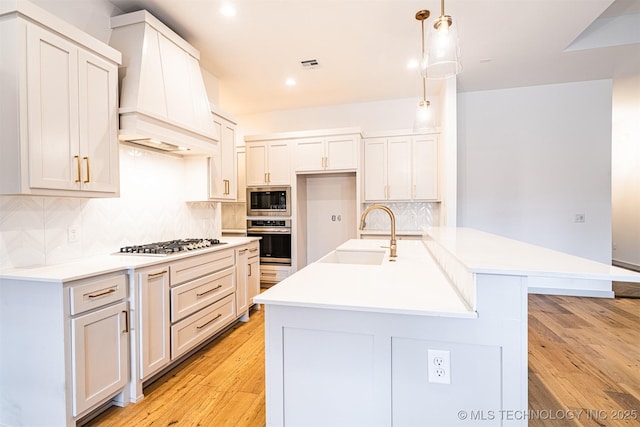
x=169, y=247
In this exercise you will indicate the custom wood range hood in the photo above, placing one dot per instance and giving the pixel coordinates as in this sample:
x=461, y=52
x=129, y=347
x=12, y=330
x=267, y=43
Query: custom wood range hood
x=163, y=101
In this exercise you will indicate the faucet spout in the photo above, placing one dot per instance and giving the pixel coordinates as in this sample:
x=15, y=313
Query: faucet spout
x=393, y=248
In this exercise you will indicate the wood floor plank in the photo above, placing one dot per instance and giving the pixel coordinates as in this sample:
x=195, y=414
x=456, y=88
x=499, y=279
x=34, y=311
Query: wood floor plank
x=584, y=358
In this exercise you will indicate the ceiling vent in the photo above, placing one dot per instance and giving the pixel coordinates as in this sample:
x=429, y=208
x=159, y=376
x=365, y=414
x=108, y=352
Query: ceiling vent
x=310, y=64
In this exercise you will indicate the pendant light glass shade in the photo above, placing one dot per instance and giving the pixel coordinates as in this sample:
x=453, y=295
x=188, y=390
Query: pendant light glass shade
x=424, y=117
x=442, y=58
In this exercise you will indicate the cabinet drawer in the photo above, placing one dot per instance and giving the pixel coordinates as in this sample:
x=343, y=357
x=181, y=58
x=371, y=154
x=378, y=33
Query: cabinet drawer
x=254, y=249
x=190, y=297
x=198, y=266
x=273, y=274
x=193, y=330
x=97, y=293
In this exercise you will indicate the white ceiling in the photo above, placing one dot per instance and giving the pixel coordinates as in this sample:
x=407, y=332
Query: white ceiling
x=363, y=46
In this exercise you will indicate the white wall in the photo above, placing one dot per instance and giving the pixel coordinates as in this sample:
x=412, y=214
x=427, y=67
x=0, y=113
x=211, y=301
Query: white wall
x=369, y=116
x=626, y=171
x=532, y=158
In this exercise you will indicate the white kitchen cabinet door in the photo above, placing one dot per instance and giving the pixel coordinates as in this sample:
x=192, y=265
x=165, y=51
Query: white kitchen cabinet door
x=222, y=167
x=98, y=123
x=52, y=81
x=310, y=155
x=253, y=273
x=342, y=153
x=375, y=169
x=241, y=167
x=268, y=163
x=279, y=164
x=425, y=167
x=256, y=164
x=154, y=320
x=326, y=154
x=399, y=168
x=242, y=270
x=100, y=354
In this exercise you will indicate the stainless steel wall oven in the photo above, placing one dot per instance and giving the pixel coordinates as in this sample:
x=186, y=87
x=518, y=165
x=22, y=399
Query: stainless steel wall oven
x=275, y=246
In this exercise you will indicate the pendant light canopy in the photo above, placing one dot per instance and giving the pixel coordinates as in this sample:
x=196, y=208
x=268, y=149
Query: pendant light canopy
x=442, y=58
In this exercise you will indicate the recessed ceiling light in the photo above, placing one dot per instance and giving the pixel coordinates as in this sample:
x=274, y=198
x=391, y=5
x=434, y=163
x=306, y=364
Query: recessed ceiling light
x=290, y=82
x=486, y=60
x=228, y=9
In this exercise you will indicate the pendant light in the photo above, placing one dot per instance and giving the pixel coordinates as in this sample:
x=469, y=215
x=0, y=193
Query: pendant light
x=424, y=114
x=443, y=52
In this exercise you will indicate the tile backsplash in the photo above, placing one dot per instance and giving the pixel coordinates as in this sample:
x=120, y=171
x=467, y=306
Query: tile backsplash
x=151, y=207
x=410, y=216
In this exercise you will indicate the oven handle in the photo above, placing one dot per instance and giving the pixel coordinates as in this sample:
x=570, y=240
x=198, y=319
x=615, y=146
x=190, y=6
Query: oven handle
x=269, y=230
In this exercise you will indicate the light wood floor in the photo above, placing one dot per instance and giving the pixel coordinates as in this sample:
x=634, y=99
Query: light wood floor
x=584, y=354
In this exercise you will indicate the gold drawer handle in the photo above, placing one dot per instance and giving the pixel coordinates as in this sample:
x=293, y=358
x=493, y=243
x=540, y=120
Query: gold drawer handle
x=253, y=250
x=110, y=291
x=86, y=159
x=79, y=178
x=264, y=273
x=209, y=291
x=157, y=274
x=126, y=321
x=210, y=321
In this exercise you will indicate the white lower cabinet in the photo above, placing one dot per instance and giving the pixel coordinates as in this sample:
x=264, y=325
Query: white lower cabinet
x=242, y=271
x=99, y=321
x=195, y=329
x=272, y=274
x=182, y=304
x=253, y=273
x=153, y=320
x=100, y=353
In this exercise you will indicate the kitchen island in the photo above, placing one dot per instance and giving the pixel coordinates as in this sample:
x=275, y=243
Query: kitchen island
x=436, y=337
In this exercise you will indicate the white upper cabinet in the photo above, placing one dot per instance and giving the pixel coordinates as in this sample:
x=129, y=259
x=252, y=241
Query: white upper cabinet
x=215, y=177
x=425, y=167
x=336, y=153
x=268, y=163
x=223, y=163
x=401, y=168
x=59, y=121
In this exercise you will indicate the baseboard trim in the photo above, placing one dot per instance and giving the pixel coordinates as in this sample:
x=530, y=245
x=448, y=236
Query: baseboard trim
x=572, y=292
x=626, y=265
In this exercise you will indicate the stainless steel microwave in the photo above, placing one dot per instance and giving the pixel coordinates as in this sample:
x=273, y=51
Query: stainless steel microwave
x=269, y=201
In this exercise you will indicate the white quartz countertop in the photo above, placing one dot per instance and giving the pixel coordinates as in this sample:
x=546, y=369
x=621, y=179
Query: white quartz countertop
x=103, y=264
x=482, y=252
x=413, y=284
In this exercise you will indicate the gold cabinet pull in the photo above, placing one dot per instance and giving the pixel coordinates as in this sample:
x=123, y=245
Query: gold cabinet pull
x=269, y=177
x=249, y=270
x=160, y=273
x=209, y=291
x=226, y=187
x=210, y=321
x=126, y=321
x=86, y=159
x=253, y=250
x=101, y=294
x=79, y=177
x=265, y=178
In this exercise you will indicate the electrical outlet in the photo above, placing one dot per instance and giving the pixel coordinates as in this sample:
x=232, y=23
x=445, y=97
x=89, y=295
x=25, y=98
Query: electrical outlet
x=73, y=234
x=439, y=366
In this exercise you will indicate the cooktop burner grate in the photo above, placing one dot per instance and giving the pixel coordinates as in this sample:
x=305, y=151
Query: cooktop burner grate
x=169, y=247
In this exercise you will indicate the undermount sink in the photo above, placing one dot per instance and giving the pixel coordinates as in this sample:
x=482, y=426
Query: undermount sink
x=354, y=257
